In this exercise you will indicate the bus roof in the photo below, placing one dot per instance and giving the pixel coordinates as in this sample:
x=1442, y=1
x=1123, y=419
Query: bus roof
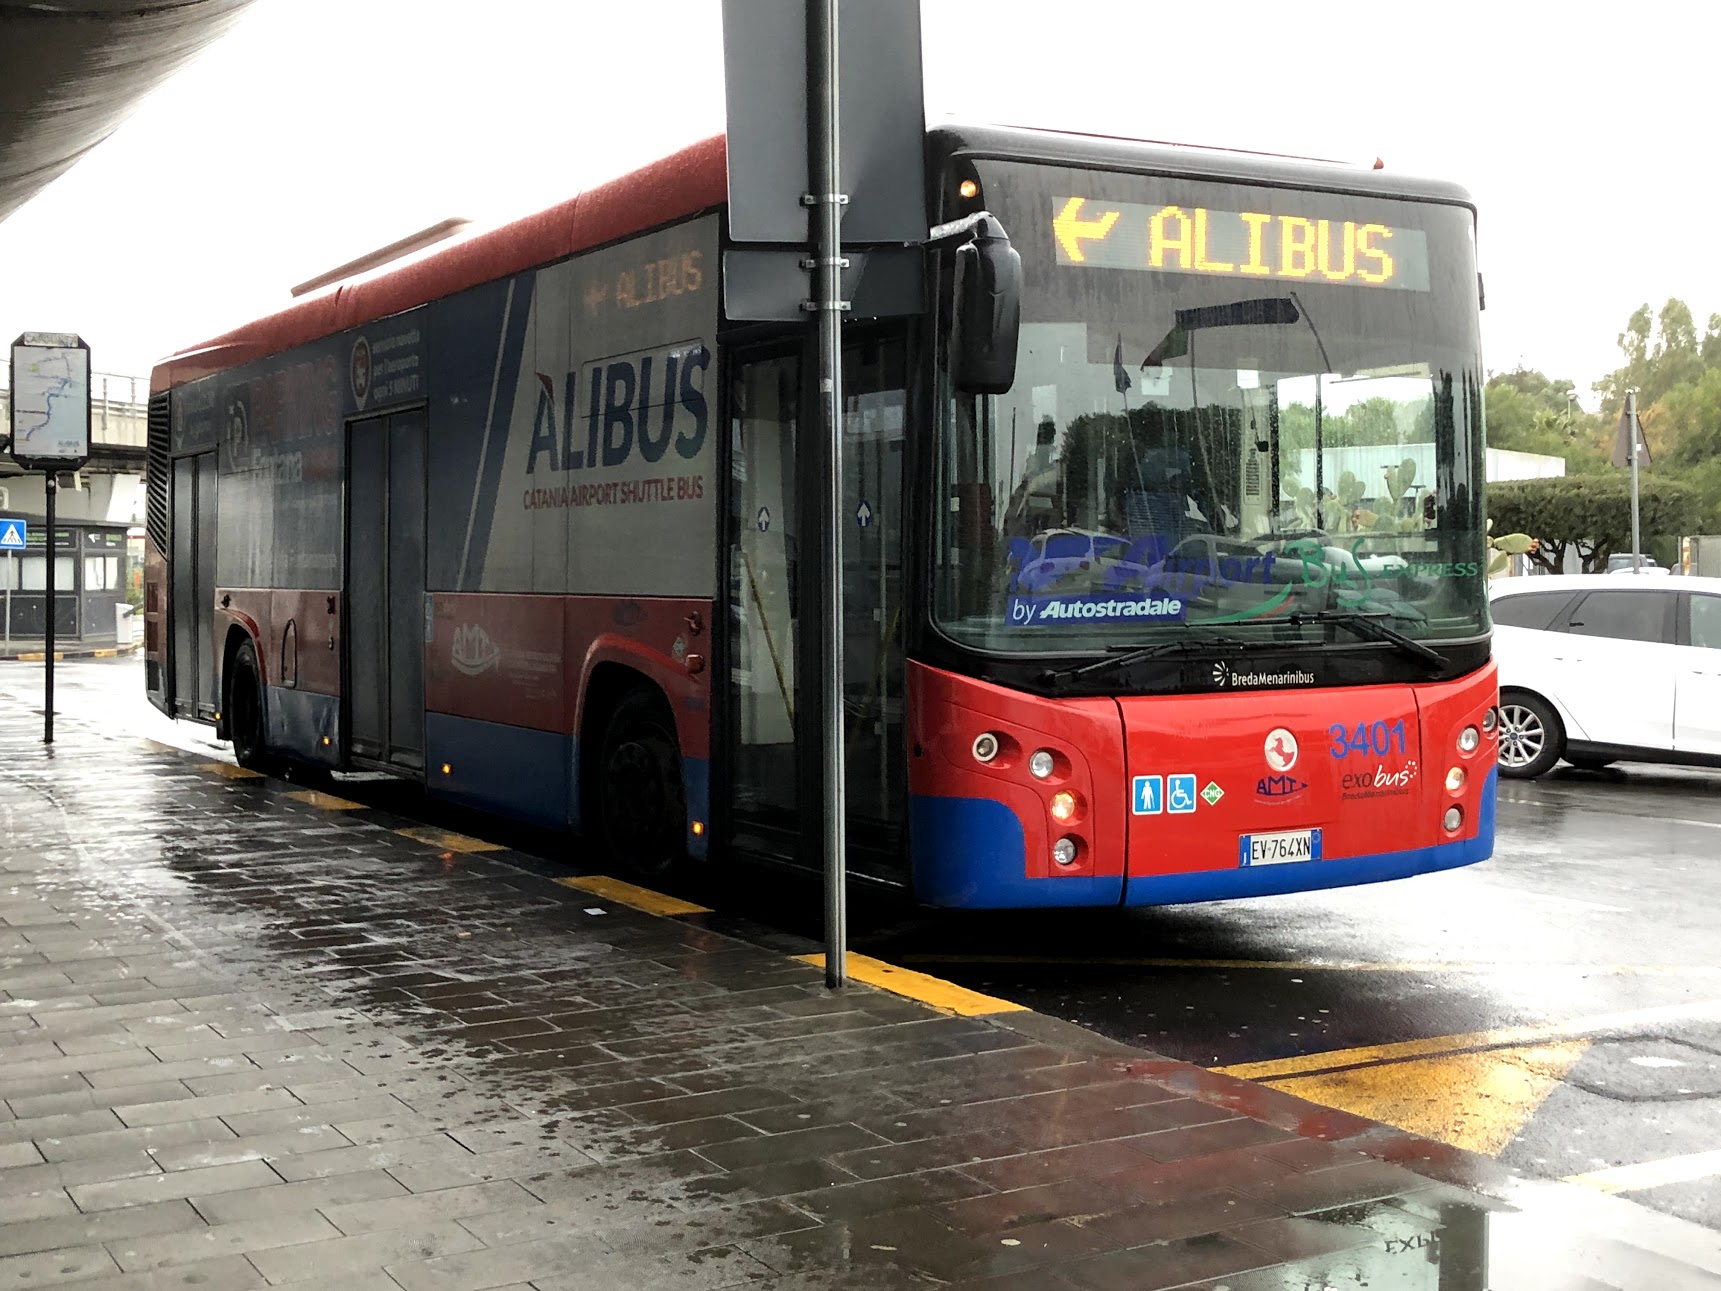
x=696, y=179
x=682, y=184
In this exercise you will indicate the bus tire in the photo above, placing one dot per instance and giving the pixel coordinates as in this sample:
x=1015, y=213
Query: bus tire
x=245, y=725
x=1532, y=737
x=642, y=801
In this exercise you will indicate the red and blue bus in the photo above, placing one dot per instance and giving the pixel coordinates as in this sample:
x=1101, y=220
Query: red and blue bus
x=1191, y=605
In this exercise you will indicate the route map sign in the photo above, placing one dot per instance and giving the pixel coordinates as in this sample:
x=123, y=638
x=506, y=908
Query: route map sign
x=50, y=401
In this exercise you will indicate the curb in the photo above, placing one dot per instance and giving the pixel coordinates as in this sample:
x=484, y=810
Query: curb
x=101, y=652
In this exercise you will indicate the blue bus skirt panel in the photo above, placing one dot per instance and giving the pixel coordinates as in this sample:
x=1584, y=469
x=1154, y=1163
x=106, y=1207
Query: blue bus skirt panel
x=300, y=722
x=506, y=769
x=970, y=853
x=1306, y=876
x=696, y=779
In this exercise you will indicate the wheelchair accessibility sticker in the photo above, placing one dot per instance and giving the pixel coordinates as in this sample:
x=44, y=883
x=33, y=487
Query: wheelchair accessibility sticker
x=1174, y=795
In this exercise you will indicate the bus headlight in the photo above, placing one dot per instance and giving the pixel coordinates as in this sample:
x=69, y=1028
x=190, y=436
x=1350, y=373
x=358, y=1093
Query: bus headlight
x=1490, y=720
x=985, y=747
x=1064, y=851
x=1041, y=764
x=1468, y=739
x=1453, y=818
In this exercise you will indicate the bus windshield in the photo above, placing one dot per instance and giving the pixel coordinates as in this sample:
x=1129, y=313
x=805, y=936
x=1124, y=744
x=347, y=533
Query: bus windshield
x=1238, y=410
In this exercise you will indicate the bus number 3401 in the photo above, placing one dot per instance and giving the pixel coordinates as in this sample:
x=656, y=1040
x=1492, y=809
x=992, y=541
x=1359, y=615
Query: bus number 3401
x=1376, y=739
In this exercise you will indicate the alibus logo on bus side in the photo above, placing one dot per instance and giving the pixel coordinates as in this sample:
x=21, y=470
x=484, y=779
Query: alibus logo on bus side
x=641, y=404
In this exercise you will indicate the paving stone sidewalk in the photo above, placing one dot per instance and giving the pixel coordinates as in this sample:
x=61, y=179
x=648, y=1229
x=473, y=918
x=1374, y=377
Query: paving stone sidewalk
x=251, y=1038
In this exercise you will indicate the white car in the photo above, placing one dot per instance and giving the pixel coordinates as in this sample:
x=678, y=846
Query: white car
x=1596, y=668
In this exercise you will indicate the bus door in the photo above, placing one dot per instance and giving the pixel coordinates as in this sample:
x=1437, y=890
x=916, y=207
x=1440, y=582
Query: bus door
x=765, y=421
x=386, y=614
x=192, y=591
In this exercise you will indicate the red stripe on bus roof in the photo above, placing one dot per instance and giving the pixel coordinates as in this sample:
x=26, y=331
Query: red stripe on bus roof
x=692, y=180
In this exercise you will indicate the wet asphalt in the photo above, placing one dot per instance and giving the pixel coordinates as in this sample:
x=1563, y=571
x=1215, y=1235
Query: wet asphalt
x=1558, y=1007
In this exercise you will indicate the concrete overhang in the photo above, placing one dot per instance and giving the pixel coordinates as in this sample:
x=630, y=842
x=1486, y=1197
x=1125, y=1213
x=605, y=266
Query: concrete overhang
x=71, y=70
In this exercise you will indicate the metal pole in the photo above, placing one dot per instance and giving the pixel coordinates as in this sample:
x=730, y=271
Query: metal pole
x=1631, y=419
x=52, y=484
x=826, y=203
x=11, y=578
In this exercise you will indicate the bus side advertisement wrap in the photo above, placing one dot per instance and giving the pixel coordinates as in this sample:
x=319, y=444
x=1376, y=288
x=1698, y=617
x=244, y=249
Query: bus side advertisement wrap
x=605, y=482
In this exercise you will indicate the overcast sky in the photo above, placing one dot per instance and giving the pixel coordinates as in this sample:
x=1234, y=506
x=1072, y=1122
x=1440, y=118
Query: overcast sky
x=320, y=129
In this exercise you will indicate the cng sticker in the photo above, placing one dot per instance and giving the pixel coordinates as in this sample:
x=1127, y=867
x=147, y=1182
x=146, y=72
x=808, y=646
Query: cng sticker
x=1213, y=793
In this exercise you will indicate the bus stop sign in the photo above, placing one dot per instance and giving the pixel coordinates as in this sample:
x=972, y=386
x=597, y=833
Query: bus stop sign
x=881, y=104
x=50, y=401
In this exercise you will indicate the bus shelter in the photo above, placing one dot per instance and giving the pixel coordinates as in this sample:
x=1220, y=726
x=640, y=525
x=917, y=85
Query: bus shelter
x=96, y=577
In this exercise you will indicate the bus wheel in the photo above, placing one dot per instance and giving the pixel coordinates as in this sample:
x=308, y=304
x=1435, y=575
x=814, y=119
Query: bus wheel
x=643, y=802
x=1531, y=736
x=245, y=711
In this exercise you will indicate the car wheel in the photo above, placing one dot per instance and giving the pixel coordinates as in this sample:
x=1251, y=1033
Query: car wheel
x=1531, y=736
x=642, y=799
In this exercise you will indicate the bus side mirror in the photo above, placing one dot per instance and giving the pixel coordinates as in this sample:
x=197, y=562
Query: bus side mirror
x=988, y=314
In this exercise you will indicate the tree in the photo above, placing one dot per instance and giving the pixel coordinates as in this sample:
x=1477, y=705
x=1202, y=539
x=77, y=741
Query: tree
x=1590, y=514
x=1526, y=412
x=1661, y=352
x=1710, y=351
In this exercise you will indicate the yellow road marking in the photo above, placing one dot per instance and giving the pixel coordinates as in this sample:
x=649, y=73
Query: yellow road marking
x=1330, y=965
x=947, y=997
x=230, y=771
x=1651, y=1174
x=639, y=898
x=447, y=841
x=1502, y=1038
x=327, y=801
x=1477, y=1100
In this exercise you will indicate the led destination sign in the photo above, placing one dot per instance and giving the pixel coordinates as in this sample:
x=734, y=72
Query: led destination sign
x=1238, y=244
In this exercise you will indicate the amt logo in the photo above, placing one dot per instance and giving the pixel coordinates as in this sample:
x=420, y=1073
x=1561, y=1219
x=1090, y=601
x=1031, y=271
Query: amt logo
x=620, y=398
x=473, y=651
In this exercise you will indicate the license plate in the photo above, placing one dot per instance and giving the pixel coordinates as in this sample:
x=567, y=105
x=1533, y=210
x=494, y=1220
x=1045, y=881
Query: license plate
x=1277, y=849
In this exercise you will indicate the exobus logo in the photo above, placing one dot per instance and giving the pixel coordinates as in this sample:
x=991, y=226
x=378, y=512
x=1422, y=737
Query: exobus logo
x=474, y=652
x=1379, y=783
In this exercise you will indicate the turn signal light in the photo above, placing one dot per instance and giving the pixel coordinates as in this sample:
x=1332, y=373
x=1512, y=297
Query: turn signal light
x=1454, y=779
x=1063, y=805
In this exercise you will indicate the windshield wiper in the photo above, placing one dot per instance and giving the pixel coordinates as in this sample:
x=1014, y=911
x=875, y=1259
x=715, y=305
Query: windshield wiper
x=1122, y=656
x=1370, y=625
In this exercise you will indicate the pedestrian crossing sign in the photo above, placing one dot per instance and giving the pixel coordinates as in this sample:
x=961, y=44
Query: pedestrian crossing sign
x=12, y=535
